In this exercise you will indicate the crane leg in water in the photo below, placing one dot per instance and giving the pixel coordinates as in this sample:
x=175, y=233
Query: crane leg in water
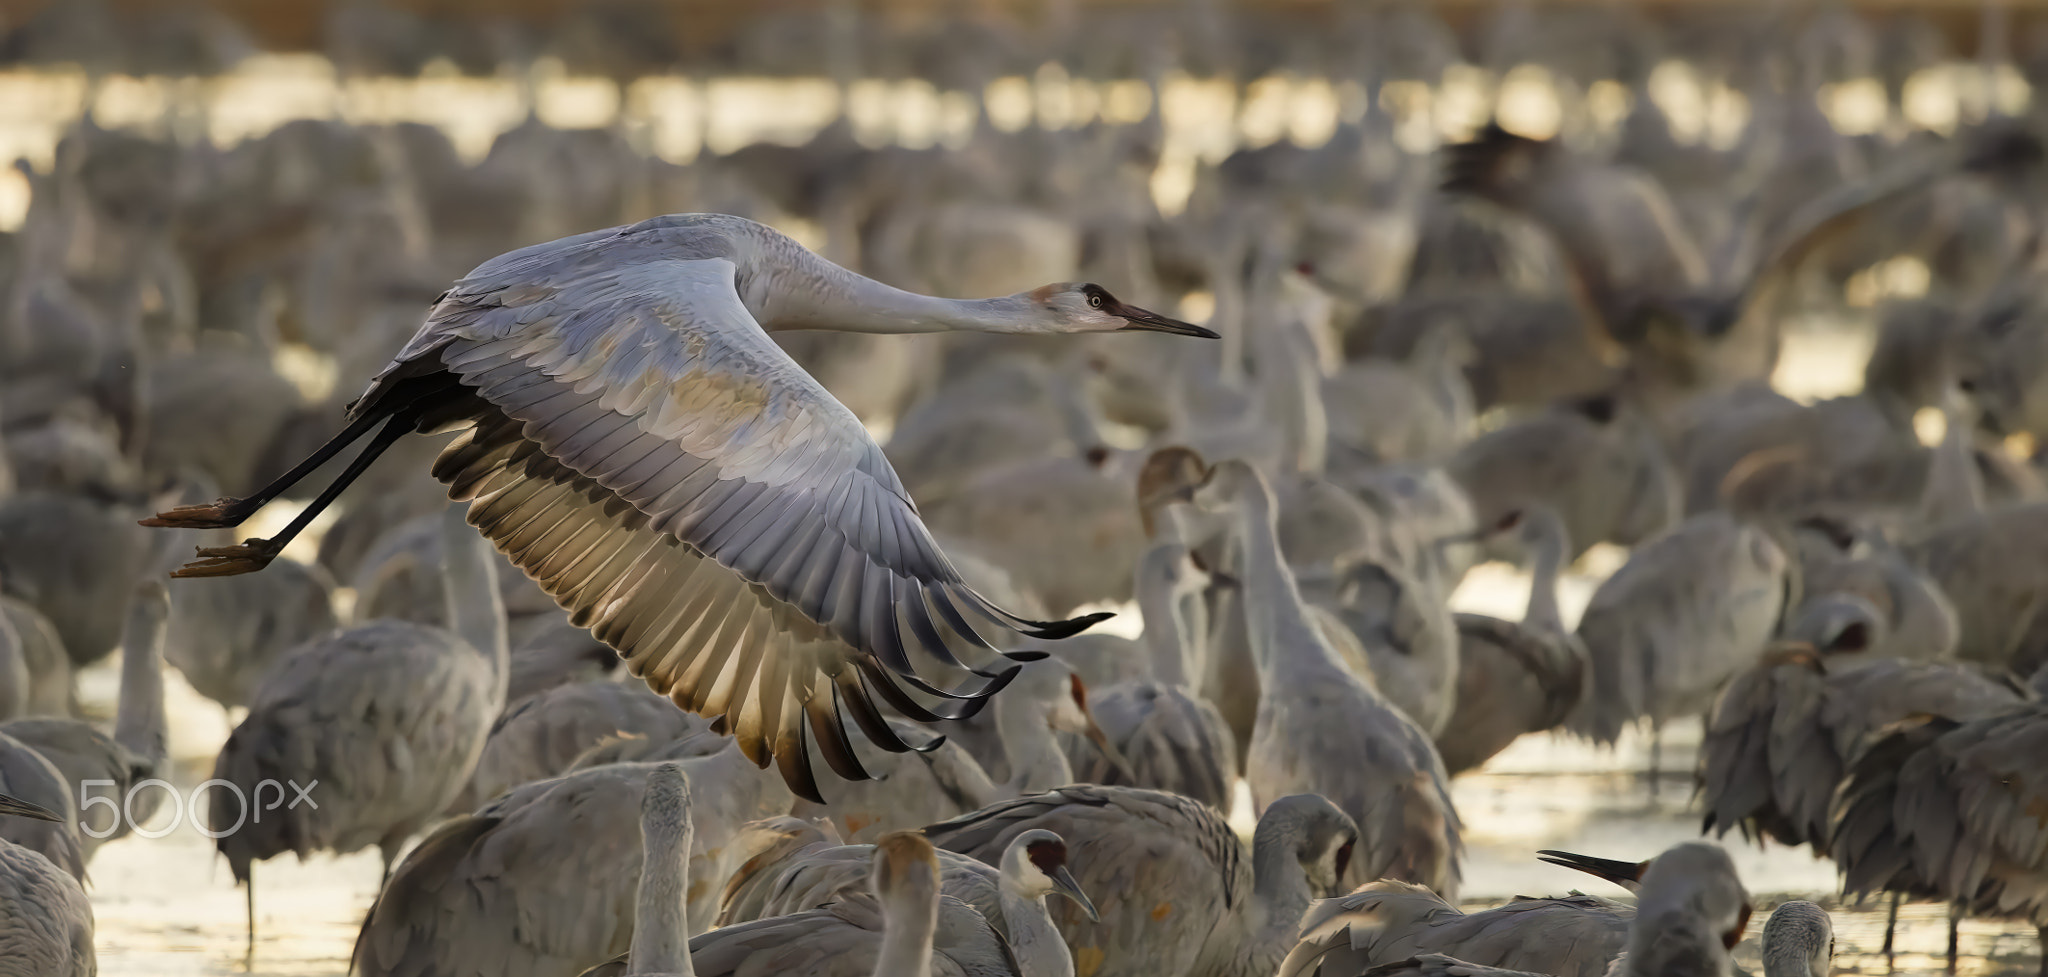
x=1891, y=925
x=249, y=905
x=1955, y=916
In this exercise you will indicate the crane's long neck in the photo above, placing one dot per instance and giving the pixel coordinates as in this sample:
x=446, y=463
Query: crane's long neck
x=139, y=721
x=476, y=612
x=1291, y=388
x=791, y=288
x=1041, y=951
x=910, y=919
x=661, y=931
x=1280, y=889
x=1284, y=641
x=1166, y=636
x=1549, y=564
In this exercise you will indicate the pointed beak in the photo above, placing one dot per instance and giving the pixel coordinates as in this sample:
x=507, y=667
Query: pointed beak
x=1139, y=319
x=1063, y=880
x=21, y=808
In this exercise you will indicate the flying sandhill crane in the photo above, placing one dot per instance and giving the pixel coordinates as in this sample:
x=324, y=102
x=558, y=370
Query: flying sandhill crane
x=1950, y=809
x=384, y=721
x=45, y=920
x=640, y=447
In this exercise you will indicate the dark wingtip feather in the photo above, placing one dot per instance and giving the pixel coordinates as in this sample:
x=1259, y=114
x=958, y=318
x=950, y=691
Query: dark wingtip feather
x=1027, y=656
x=1057, y=630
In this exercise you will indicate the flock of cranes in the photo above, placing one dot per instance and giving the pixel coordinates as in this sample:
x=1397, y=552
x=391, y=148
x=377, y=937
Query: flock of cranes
x=757, y=637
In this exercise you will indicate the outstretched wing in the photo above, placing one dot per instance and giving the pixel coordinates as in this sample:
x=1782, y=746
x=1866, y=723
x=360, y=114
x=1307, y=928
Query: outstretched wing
x=686, y=491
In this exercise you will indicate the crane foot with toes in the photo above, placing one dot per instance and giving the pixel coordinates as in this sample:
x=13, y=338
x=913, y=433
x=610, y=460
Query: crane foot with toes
x=247, y=556
x=218, y=514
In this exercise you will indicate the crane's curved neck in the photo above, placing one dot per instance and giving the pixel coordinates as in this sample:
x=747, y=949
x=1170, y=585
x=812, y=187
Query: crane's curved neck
x=1041, y=951
x=788, y=287
x=139, y=719
x=1166, y=636
x=1285, y=643
x=910, y=919
x=1549, y=564
x=476, y=612
x=661, y=932
x=1280, y=889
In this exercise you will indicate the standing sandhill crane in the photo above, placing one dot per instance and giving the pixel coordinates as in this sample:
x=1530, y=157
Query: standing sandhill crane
x=563, y=850
x=1516, y=677
x=1594, y=461
x=1950, y=810
x=903, y=927
x=1870, y=599
x=1321, y=728
x=1783, y=733
x=1171, y=738
x=1186, y=903
x=136, y=751
x=389, y=716
x=540, y=736
x=1990, y=566
x=1011, y=898
x=75, y=560
x=45, y=919
x=641, y=448
x=1691, y=913
x=14, y=674
x=1687, y=612
x=49, y=668
x=225, y=635
x=1385, y=921
x=24, y=773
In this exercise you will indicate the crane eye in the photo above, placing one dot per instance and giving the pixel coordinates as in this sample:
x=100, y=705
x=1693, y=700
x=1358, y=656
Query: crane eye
x=1095, y=300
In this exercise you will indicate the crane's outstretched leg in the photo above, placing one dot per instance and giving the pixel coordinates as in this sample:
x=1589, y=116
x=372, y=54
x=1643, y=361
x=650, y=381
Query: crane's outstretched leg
x=251, y=555
x=229, y=513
